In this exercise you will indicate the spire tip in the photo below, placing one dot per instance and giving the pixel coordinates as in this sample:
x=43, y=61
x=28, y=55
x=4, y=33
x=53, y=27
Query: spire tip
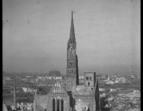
x=72, y=12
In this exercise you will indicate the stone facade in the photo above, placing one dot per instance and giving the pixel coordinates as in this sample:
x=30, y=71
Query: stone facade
x=79, y=98
x=58, y=98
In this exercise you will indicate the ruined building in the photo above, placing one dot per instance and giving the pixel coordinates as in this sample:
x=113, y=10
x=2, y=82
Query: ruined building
x=69, y=94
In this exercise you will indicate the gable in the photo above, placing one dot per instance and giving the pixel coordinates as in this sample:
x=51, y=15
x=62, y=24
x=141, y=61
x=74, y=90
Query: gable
x=58, y=89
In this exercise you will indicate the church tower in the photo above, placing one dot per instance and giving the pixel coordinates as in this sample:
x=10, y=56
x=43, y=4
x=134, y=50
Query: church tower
x=72, y=66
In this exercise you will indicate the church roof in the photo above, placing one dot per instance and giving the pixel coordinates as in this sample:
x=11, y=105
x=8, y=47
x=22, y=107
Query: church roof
x=44, y=90
x=82, y=90
x=69, y=93
x=58, y=88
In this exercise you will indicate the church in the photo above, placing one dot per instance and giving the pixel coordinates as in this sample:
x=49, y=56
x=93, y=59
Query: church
x=69, y=94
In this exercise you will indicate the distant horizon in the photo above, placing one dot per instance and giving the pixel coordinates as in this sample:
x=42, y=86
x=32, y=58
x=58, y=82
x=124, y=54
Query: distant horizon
x=35, y=35
x=65, y=73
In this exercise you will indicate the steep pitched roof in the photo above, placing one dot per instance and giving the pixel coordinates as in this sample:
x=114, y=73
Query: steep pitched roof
x=44, y=90
x=58, y=89
x=82, y=90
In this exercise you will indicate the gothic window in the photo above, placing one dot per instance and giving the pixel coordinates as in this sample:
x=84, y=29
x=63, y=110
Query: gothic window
x=62, y=105
x=53, y=104
x=58, y=105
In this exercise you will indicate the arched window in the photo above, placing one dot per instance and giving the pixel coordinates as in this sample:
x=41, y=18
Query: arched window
x=53, y=104
x=62, y=105
x=58, y=104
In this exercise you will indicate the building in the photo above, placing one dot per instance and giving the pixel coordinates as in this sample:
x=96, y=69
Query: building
x=72, y=96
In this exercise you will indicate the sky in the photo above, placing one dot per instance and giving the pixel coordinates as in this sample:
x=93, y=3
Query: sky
x=36, y=32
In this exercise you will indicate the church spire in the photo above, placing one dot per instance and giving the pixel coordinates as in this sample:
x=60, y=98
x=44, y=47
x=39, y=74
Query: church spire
x=72, y=33
x=71, y=52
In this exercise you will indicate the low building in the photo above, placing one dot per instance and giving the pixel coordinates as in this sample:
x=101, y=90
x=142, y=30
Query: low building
x=113, y=90
x=101, y=89
x=27, y=89
x=109, y=82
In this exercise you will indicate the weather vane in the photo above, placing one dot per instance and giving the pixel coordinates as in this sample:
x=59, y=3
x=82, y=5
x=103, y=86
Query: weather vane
x=73, y=12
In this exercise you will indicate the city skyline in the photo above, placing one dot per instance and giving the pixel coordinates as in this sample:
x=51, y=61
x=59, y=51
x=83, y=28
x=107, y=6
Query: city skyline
x=35, y=35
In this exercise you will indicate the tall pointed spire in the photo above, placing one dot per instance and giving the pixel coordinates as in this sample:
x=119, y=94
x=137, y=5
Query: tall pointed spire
x=71, y=52
x=72, y=33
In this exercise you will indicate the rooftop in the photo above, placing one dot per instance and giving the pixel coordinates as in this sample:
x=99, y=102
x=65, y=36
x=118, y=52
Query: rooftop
x=44, y=90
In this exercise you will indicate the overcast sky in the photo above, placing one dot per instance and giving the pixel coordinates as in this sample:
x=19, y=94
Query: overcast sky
x=35, y=35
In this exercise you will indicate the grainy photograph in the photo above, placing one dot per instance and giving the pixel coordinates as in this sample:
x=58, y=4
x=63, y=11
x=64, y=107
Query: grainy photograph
x=71, y=55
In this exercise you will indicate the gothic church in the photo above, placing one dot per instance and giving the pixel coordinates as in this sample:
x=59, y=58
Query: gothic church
x=70, y=94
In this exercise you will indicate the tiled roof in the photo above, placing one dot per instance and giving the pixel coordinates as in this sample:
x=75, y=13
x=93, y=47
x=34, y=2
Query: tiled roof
x=126, y=91
x=44, y=90
x=69, y=93
x=82, y=90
